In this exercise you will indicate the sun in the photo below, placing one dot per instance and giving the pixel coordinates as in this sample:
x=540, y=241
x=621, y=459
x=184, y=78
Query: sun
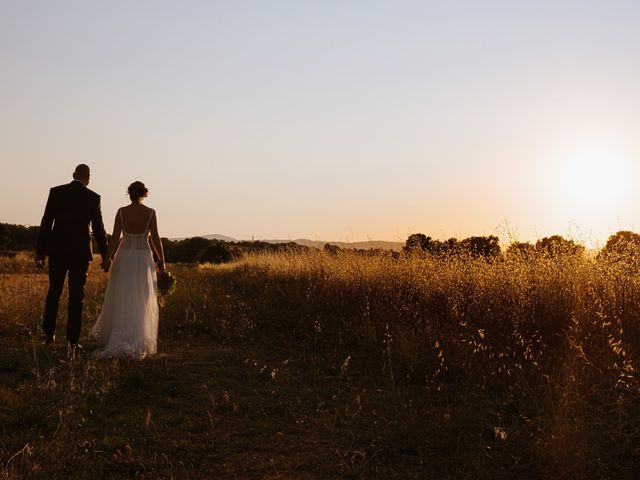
x=593, y=179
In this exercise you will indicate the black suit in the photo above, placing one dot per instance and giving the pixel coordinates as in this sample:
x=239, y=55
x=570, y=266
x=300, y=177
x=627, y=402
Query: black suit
x=65, y=238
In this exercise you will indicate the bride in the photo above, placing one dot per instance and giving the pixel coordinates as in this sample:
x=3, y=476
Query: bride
x=128, y=323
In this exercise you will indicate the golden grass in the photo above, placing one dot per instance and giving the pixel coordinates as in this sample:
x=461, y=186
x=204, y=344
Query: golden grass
x=386, y=367
x=526, y=365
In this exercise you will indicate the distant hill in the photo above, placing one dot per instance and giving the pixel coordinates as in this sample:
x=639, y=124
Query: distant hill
x=213, y=236
x=355, y=245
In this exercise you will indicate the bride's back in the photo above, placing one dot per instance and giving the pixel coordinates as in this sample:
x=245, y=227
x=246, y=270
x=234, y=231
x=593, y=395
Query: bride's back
x=135, y=218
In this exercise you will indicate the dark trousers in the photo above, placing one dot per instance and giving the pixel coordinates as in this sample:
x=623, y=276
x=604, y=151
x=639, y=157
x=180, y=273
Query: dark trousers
x=77, y=269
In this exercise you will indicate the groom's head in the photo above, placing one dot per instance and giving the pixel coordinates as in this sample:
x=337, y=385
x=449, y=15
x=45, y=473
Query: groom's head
x=82, y=174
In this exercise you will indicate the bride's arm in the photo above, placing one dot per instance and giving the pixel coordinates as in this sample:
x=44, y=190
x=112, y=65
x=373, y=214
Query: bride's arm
x=114, y=241
x=156, y=243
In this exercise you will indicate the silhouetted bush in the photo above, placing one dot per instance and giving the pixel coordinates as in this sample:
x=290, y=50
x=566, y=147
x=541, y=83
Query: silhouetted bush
x=216, y=252
x=556, y=246
x=621, y=245
x=417, y=243
x=331, y=249
x=189, y=250
x=486, y=247
x=521, y=250
x=623, y=251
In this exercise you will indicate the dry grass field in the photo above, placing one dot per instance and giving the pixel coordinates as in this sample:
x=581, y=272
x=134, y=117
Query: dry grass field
x=337, y=366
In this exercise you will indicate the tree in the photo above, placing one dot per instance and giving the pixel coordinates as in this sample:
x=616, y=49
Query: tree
x=417, y=243
x=168, y=246
x=189, y=250
x=486, y=247
x=4, y=236
x=557, y=246
x=217, y=252
x=522, y=250
x=450, y=247
x=331, y=249
x=621, y=246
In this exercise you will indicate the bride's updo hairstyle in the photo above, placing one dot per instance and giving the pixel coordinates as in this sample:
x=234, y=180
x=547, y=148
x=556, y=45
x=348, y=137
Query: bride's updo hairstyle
x=137, y=191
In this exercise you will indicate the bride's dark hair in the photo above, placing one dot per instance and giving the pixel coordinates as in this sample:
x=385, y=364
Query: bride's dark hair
x=137, y=190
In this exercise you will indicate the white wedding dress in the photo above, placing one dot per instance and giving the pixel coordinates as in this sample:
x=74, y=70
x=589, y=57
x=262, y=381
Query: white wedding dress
x=128, y=323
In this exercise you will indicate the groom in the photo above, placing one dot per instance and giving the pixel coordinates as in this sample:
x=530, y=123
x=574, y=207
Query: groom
x=64, y=237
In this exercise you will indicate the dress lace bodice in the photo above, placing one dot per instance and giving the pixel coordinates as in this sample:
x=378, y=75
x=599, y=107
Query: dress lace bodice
x=133, y=241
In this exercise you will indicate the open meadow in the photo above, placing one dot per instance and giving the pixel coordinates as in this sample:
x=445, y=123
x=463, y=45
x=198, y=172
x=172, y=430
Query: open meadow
x=340, y=365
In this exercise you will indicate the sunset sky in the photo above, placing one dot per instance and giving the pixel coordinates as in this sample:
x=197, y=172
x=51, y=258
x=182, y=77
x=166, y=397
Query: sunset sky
x=330, y=120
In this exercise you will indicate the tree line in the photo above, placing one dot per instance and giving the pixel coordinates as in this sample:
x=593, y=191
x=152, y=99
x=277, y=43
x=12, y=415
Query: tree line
x=621, y=245
x=14, y=238
x=203, y=250
x=18, y=237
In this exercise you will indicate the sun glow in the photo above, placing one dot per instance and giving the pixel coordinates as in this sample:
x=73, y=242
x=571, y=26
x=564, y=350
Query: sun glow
x=594, y=180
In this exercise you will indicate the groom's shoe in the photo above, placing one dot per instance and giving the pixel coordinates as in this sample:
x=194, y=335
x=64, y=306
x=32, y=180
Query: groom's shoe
x=48, y=339
x=74, y=347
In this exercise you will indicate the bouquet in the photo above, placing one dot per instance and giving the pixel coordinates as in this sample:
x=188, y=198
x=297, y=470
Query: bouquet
x=166, y=283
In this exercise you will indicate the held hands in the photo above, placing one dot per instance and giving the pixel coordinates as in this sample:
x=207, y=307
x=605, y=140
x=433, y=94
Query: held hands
x=161, y=265
x=40, y=260
x=106, y=264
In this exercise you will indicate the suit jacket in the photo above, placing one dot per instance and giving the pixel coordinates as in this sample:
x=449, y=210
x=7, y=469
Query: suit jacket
x=64, y=229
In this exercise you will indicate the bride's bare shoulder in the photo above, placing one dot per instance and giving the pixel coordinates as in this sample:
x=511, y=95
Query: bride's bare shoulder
x=138, y=208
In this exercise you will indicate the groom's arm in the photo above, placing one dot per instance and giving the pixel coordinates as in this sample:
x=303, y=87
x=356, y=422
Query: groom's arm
x=98, y=229
x=46, y=225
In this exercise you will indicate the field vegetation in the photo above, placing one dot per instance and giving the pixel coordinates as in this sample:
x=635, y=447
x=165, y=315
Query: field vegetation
x=331, y=364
